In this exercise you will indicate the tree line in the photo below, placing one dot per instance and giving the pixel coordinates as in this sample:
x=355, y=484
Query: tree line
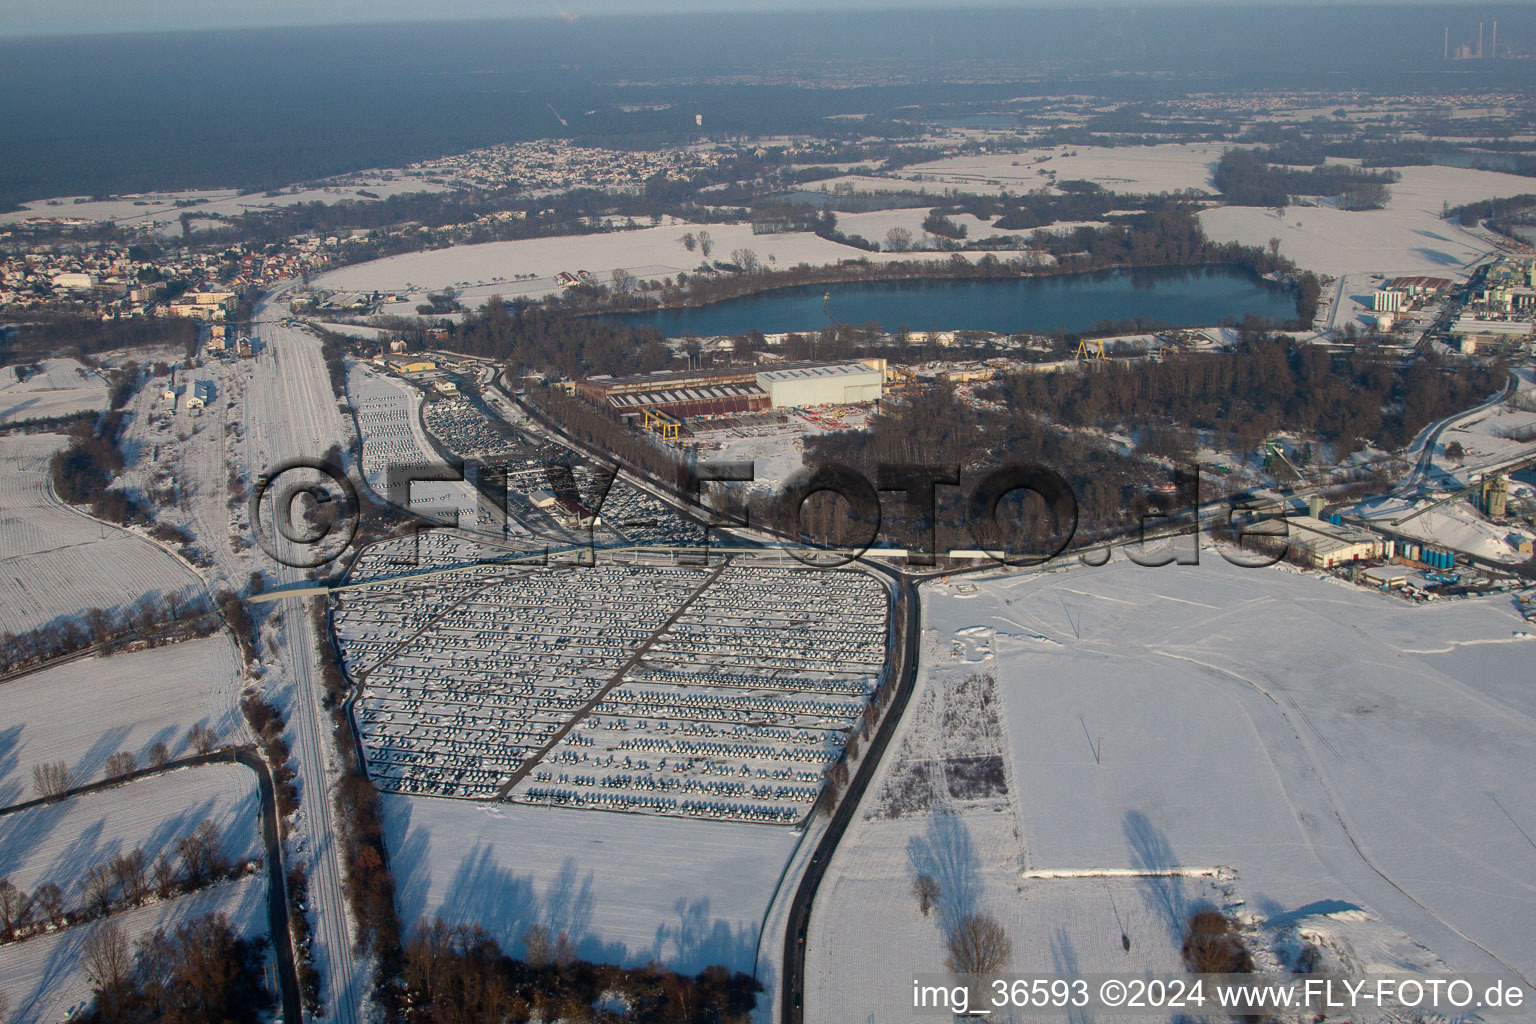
x=1246, y=178
x=124, y=881
x=1506, y=210
x=152, y=620
x=457, y=973
x=82, y=337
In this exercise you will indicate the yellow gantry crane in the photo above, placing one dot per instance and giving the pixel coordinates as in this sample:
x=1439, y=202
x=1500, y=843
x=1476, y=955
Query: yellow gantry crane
x=1084, y=352
x=662, y=424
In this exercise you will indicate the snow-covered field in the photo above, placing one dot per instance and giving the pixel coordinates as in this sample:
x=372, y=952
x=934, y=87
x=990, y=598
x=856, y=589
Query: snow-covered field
x=61, y=842
x=627, y=888
x=1126, y=169
x=1408, y=237
x=85, y=711
x=63, y=387
x=45, y=976
x=166, y=208
x=477, y=272
x=57, y=562
x=1354, y=767
x=875, y=224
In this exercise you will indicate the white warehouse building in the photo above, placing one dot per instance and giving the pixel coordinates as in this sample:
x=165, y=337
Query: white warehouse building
x=836, y=384
x=1329, y=544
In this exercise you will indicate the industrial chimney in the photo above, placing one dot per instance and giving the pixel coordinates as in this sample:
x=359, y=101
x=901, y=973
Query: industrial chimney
x=1479, y=40
x=1493, y=48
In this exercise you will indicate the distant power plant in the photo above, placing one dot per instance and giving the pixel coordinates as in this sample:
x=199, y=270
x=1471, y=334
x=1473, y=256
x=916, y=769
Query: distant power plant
x=1465, y=51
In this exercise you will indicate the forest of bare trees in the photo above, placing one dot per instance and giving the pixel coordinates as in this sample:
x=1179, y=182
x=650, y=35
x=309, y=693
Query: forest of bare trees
x=458, y=973
x=201, y=971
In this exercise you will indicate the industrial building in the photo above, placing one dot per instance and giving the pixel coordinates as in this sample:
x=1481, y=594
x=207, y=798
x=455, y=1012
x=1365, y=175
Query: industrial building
x=735, y=390
x=1325, y=544
x=833, y=384
x=1387, y=302
x=1419, y=286
x=1474, y=335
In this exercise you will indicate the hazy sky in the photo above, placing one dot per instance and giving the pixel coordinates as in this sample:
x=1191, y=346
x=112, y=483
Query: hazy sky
x=54, y=17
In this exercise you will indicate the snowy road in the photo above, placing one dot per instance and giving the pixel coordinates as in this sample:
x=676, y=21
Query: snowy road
x=291, y=413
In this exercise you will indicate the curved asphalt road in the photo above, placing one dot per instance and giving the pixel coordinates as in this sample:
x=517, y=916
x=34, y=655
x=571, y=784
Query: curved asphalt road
x=799, y=919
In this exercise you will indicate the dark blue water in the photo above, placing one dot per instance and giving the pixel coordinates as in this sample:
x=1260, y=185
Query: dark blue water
x=1186, y=298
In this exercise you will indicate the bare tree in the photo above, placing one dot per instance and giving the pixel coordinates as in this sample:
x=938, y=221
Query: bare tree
x=898, y=239
x=706, y=244
x=977, y=946
x=925, y=889
x=121, y=763
x=746, y=259
x=98, y=623
x=51, y=780
x=202, y=738
x=131, y=870
x=159, y=754
x=202, y=860
x=164, y=874
x=15, y=909
x=537, y=949
x=99, y=887
x=108, y=962
x=689, y=242
x=50, y=903
x=564, y=952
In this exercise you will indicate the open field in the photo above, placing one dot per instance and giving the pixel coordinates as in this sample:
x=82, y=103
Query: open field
x=62, y=388
x=528, y=267
x=626, y=888
x=1408, y=237
x=45, y=976
x=57, y=562
x=165, y=208
x=83, y=712
x=1125, y=169
x=61, y=842
x=1345, y=765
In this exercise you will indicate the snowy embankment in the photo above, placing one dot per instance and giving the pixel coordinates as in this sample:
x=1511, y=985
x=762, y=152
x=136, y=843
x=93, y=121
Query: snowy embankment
x=85, y=711
x=628, y=888
x=1353, y=765
x=55, y=561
